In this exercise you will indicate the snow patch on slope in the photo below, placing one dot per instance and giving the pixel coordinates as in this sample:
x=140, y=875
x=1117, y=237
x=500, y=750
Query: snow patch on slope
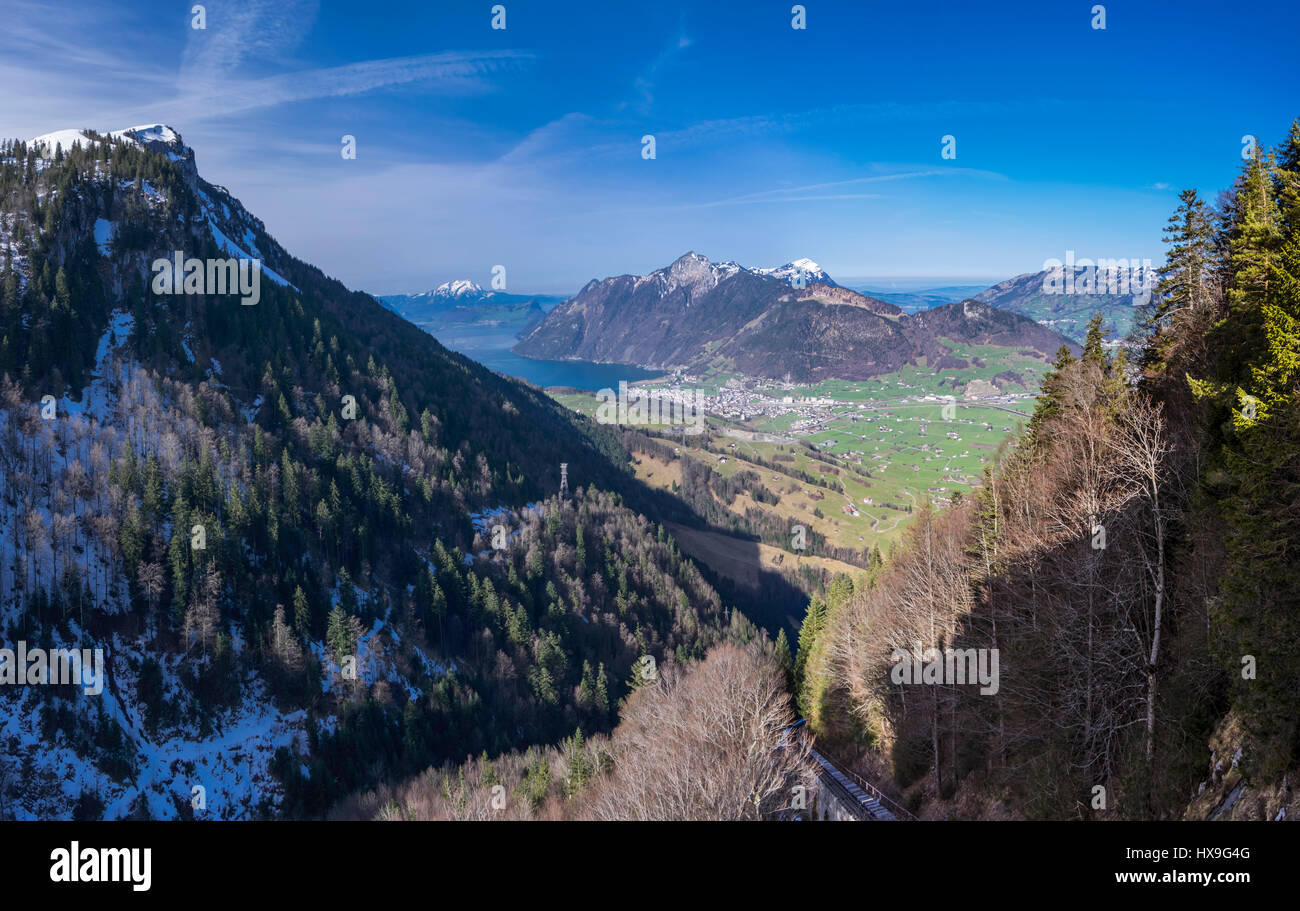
x=65, y=138
x=96, y=398
x=104, y=232
x=235, y=250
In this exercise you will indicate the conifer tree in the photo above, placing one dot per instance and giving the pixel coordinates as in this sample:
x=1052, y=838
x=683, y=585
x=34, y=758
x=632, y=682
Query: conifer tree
x=1094, y=350
x=1252, y=399
x=1185, y=279
x=338, y=635
x=782, y=653
x=1050, y=394
x=301, y=613
x=809, y=629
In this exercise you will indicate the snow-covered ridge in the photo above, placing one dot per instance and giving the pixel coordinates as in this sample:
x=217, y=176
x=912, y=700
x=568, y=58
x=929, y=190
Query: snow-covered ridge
x=154, y=132
x=804, y=268
x=65, y=138
x=142, y=135
x=234, y=229
x=695, y=271
x=458, y=288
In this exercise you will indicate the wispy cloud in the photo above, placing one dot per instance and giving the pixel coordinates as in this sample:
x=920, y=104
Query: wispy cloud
x=454, y=72
x=219, y=71
x=578, y=138
x=818, y=192
x=212, y=82
x=790, y=194
x=844, y=115
x=237, y=32
x=27, y=32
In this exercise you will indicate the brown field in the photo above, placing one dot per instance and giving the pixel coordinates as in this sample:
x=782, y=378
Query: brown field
x=796, y=508
x=741, y=561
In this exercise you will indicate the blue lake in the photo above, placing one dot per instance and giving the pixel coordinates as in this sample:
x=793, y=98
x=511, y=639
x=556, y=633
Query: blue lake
x=491, y=348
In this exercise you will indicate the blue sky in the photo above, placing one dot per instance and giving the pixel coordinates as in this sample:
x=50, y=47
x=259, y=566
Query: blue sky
x=522, y=146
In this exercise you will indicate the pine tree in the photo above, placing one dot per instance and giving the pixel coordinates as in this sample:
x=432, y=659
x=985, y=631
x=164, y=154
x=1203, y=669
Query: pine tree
x=579, y=766
x=1051, y=392
x=178, y=555
x=809, y=630
x=782, y=654
x=1253, y=238
x=1094, y=345
x=644, y=673
x=602, y=691
x=301, y=613
x=1252, y=400
x=1185, y=279
x=338, y=635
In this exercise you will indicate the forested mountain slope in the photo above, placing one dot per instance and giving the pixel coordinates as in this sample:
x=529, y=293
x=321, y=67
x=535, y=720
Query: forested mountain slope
x=1132, y=562
x=239, y=504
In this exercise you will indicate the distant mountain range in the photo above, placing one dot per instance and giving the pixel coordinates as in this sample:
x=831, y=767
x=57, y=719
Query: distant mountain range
x=696, y=314
x=921, y=298
x=461, y=303
x=1067, y=313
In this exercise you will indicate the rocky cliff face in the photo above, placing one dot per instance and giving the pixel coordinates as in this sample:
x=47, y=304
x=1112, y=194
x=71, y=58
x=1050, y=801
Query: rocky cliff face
x=1227, y=793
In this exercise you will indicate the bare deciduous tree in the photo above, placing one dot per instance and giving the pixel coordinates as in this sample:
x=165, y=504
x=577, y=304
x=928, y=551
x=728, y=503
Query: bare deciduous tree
x=202, y=616
x=708, y=743
x=1142, y=449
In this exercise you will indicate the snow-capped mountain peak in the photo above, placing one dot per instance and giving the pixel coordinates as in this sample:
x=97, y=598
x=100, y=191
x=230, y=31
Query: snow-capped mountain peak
x=802, y=270
x=153, y=132
x=697, y=273
x=691, y=271
x=461, y=287
x=233, y=228
x=146, y=135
